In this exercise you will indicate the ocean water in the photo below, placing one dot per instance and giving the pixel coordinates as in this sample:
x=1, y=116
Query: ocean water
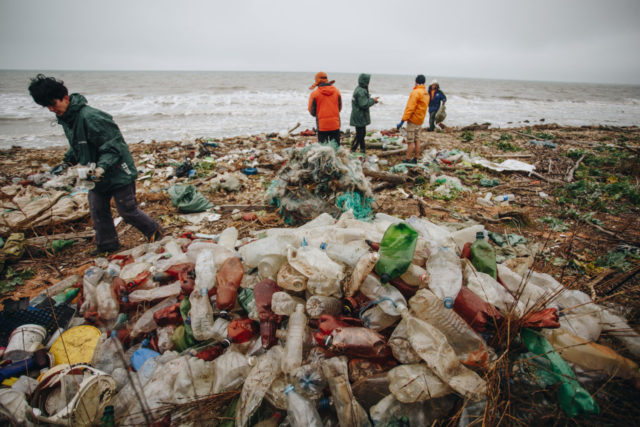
x=184, y=105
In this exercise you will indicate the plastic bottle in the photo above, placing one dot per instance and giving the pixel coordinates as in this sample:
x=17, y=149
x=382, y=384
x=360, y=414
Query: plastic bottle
x=445, y=274
x=349, y=411
x=220, y=329
x=108, y=354
x=228, y=278
x=228, y=238
x=357, y=342
x=317, y=305
x=201, y=314
x=66, y=296
x=363, y=267
x=269, y=266
x=283, y=304
x=205, y=270
x=416, y=383
x=146, y=323
x=396, y=251
x=240, y=331
x=55, y=289
x=108, y=307
x=310, y=381
x=483, y=257
x=467, y=235
x=301, y=412
x=504, y=198
x=92, y=276
x=324, y=274
x=255, y=386
x=468, y=346
x=291, y=279
x=401, y=346
x=295, y=335
x=390, y=300
x=416, y=276
x=432, y=347
x=375, y=318
x=172, y=290
x=263, y=292
x=231, y=368
x=247, y=301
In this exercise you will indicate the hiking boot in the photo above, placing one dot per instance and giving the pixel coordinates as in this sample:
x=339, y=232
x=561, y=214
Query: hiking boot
x=103, y=252
x=157, y=236
x=413, y=161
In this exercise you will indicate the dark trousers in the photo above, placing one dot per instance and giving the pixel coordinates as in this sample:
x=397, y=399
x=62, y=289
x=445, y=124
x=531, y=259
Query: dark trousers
x=432, y=120
x=127, y=206
x=329, y=135
x=358, y=140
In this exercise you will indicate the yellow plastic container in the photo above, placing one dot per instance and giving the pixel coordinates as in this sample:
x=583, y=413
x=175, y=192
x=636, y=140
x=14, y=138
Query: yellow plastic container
x=75, y=345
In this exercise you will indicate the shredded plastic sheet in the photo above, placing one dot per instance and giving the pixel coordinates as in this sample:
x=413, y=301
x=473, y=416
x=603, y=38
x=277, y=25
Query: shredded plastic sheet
x=507, y=165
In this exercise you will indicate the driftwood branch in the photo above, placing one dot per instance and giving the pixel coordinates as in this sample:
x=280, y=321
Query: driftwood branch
x=391, y=152
x=385, y=176
x=294, y=128
x=569, y=176
x=43, y=240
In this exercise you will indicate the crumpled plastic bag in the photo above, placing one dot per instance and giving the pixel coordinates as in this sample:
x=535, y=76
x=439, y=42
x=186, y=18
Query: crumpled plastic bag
x=188, y=199
x=441, y=114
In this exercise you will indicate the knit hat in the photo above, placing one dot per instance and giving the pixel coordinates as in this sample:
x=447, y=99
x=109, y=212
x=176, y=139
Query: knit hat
x=420, y=79
x=434, y=82
x=321, y=77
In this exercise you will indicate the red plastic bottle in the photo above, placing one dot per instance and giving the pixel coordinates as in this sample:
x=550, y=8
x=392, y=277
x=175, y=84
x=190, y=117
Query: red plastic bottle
x=262, y=292
x=240, y=330
x=228, y=278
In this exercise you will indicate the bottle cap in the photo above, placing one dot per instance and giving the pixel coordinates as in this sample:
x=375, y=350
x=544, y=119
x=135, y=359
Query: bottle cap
x=448, y=302
x=385, y=278
x=114, y=334
x=327, y=341
x=225, y=343
x=288, y=389
x=480, y=235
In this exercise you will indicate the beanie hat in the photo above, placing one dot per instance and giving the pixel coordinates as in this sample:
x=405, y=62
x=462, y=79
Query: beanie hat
x=321, y=77
x=434, y=82
x=420, y=79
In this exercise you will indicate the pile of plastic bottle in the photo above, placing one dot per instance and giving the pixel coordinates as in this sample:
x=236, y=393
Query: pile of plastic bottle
x=337, y=321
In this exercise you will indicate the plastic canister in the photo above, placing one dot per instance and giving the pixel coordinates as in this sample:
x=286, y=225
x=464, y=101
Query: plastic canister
x=23, y=341
x=76, y=345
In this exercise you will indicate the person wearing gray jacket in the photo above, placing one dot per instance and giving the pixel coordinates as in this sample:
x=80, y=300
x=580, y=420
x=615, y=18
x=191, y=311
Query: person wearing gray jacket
x=360, y=118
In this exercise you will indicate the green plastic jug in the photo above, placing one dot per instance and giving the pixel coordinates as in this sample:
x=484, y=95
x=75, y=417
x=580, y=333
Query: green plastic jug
x=483, y=257
x=396, y=251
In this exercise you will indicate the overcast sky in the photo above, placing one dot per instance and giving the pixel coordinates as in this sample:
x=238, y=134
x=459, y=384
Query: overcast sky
x=557, y=40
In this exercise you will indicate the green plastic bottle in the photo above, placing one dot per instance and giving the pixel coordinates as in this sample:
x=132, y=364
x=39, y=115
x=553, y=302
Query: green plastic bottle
x=396, y=251
x=107, y=419
x=574, y=400
x=483, y=257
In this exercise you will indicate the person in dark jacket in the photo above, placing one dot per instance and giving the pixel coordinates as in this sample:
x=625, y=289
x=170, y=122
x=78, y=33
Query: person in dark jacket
x=325, y=104
x=360, y=104
x=94, y=138
x=436, y=96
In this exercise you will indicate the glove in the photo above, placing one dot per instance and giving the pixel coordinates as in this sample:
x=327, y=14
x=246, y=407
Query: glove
x=98, y=174
x=399, y=125
x=58, y=169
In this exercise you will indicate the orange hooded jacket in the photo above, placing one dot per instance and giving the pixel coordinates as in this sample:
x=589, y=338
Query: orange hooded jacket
x=417, y=104
x=325, y=104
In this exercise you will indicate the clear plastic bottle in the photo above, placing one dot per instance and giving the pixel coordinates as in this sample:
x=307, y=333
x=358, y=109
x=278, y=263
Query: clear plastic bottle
x=283, y=304
x=363, y=267
x=146, y=323
x=391, y=301
x=255, y=386
x=375, y=318
x=269, y=266
x=231, y=368
x=205, y=270
x=301, y=412
x=416, y=383
x=108, y=307
x=139, y=295
x=317, y=305
x=416, y=276
x=468, y=345
x=291, y=279
x=349, y=411
x=201, y=314
x=504, y=198
x=108, y=354
x=324, y=274
x=295, y=335
x=228, y=238
x=445, y=272
x=92, y=276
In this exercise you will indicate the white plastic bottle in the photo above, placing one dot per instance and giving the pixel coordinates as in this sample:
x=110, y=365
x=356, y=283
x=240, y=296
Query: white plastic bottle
x=228, y=238
x=504, y=198
x=108, y=306
x=318, y=305
x=283, y=304
x=205, y=270
x=295, y=335
x=363, y=267
x=416, y=276
x=301, y=412
x=391, y=300
x=291, y=279
x=201, y=314
x=445, y=272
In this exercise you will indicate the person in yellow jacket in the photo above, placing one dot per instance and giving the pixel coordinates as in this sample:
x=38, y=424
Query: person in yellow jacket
x=414, y=114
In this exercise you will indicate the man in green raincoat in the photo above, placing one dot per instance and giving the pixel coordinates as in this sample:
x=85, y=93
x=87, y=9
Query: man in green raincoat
x=360, y=103
x=94, y=138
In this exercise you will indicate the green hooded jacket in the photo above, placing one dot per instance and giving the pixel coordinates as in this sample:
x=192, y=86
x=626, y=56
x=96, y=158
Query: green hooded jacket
x=95, y=138
x=361, y=102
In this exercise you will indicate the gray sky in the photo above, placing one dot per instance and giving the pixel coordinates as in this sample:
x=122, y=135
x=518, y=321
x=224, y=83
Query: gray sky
x=558, y=40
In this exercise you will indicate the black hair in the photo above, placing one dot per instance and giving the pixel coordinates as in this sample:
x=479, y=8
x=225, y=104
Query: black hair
x=44, y=90
x=420, y=79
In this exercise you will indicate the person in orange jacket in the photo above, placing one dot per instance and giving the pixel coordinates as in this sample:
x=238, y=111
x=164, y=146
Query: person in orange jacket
x=414, y=114
x=325, y=104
